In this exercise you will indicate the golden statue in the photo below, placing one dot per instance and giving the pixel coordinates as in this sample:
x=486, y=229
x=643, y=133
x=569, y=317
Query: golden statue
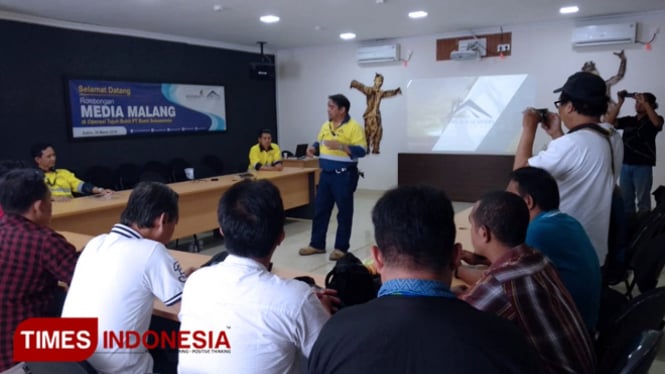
x=372, y=116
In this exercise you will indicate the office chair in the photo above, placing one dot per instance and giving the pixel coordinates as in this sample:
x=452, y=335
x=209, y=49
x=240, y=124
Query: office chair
x=636, y=357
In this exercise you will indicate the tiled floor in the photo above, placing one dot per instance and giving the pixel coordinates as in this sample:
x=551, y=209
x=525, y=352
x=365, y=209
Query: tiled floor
x=362, y=237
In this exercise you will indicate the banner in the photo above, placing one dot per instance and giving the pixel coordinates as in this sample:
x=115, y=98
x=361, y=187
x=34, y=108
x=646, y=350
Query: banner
x=112, y=108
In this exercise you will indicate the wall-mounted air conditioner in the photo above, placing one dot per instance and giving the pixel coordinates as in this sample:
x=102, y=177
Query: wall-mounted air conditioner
x=619, y=33
x=378, y=53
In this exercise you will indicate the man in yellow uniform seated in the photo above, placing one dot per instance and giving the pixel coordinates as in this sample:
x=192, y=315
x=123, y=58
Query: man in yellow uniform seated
x=265, y=155
x=61, y=182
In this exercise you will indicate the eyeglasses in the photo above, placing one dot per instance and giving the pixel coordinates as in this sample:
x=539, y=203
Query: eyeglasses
x=558, y=103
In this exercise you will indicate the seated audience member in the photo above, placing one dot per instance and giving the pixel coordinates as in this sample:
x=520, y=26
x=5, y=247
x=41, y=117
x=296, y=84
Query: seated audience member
x=33, y=258
x=561, y=238
x=417, y=325
x=265, y=155
x=522, y=286
x=61, y=182
x=5, y=167
x=119, y=274
x=270, y=322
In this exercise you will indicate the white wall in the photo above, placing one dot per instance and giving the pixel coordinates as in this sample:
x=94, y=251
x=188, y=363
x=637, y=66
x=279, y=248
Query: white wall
x=307, y=76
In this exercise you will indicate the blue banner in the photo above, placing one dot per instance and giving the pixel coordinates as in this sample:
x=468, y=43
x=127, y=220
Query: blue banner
x=112, y=108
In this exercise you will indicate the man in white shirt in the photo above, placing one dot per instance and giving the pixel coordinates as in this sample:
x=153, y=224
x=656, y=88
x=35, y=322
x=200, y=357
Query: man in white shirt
x=269, y=323
x=584, y=161
x=120, y=273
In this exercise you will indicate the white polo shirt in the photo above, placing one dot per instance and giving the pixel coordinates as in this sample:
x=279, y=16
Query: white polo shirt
x=116, y=280
x=581, y=163
x=270, y=322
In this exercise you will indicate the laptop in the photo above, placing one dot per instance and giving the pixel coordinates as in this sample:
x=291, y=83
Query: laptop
x=301, y=150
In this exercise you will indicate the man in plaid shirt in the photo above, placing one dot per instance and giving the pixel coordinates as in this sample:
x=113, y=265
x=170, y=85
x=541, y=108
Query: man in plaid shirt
x=33, y=258
x=522, y=286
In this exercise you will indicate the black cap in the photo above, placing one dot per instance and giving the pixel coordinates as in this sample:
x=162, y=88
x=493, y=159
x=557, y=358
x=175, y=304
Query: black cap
x=584, y=86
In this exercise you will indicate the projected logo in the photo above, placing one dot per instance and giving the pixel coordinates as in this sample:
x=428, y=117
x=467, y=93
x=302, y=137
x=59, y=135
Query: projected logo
x=473, y=119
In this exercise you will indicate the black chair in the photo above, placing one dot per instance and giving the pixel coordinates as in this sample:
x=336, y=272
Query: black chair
x=214, y=163
x=287, y=154
x=644, y=312
x=101, y=176
x=647, y=263
x=82, y=367
x=636, y=357
x=155, y=171
x=177, y=167
x=127, y=176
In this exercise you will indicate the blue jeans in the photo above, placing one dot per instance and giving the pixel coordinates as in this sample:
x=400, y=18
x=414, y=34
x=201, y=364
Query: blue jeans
x=334, y=188
x=635, y=184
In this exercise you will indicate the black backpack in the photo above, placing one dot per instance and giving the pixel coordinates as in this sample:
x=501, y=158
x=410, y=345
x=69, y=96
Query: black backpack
x=353, y=281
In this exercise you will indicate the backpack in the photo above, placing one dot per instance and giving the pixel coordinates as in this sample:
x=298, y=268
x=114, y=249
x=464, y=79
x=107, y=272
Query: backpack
x=353, y=281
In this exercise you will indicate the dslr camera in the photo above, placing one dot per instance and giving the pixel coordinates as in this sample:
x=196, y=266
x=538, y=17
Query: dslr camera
x=625, y=94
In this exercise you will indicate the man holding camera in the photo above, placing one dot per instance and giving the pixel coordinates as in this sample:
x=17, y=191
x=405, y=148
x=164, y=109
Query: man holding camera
x=639, y=140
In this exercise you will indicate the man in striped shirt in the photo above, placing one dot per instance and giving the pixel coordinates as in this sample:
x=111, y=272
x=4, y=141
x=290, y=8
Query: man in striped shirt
x=522, y=286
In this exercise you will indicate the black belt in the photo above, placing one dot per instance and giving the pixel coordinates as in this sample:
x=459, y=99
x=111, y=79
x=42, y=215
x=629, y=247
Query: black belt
x=342, y=170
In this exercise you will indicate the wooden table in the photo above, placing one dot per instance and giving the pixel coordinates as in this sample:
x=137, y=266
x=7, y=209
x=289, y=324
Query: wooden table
x=198, y=201
x=187, y=260
x=308, y=162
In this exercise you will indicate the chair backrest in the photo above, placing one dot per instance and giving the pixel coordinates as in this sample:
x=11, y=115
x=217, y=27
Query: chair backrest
x=209, y=166
x=287, y=154
x=648, y=262
x=156, y=171
x=101, y=176
x=58, y=368
x=636, y=356
x=644, y=312
x=177, y=166
x=127, y=176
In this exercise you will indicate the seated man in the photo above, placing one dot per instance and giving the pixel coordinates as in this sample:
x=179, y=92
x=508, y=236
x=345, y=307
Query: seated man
x=5, y=167
x=271, y=323
x=120, y=273
x=61, y=182
x=522, y=286
x=265, y=155
x=561, y=238
x=417, y=325
x=33, y=258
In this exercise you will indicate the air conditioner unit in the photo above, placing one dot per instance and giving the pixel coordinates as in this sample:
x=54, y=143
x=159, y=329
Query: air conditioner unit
x=378, y=53
x=604, y=34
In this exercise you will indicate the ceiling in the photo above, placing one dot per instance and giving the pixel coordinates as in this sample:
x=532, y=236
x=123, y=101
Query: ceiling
x=312, y=22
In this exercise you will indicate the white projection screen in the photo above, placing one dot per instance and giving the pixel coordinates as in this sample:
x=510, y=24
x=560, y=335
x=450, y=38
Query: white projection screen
x=481, y=114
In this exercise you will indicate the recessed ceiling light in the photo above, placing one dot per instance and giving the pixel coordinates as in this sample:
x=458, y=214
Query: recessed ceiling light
x=218, y=7
x=347, y=35
x=418, y=14
x=569, y=9
x=269, y=18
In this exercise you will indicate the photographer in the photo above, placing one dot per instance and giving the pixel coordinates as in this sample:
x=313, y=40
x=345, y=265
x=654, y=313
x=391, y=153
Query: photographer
x=639, y=139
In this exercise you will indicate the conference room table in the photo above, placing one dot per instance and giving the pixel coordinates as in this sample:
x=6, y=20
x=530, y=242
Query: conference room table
x=198, y=201
x=306, y=162
x=187, y=261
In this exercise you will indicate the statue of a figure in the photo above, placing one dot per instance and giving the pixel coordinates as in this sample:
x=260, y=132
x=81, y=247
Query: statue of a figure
x=590, y=67
x=372, y=116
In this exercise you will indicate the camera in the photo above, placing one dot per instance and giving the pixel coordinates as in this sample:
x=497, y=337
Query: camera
x=624, y=94
x=543, y=114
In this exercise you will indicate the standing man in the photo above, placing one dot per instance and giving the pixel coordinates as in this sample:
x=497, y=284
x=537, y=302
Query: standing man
x=120, y=273
x=270, y=322
x=584, y=161
x=33, y=258
x=639, y=141
x=61, y=182
x=423, y=328
x=340, y=143
x=265, y=155
x=372, y=115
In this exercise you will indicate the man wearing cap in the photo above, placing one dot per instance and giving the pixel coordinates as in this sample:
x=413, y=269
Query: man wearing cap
x=639, y=139
x=584, y=161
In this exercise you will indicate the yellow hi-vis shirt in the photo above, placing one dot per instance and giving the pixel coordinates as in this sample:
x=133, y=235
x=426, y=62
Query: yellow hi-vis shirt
x=62, y=182
x=349, y=133
x=260, y=157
